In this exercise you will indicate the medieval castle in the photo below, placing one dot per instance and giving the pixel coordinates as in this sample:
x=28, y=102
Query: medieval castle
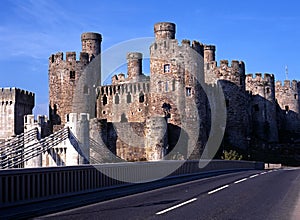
x=169, y=113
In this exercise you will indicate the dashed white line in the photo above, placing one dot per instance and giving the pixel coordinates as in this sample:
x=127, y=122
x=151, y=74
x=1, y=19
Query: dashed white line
x=263, y=173
x=216, y=190
x=253, y=176
x=239, y=181
x=176, y=206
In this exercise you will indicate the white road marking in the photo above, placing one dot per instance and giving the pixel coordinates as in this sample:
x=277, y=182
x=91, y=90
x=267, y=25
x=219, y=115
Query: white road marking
x=239, y=181
x=253, y=176
x=263, y=173
x=216, y=190
x=176, y=206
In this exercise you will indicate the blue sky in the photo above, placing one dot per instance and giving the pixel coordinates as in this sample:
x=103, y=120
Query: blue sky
x=264, y=34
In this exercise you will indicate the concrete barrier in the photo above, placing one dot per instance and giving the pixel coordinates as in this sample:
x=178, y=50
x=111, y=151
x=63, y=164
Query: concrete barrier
x=21, y=186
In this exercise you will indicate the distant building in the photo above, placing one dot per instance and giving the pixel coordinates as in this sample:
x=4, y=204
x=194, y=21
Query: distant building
x=14, y=105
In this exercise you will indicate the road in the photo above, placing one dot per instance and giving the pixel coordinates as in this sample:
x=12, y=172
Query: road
x=251, y=195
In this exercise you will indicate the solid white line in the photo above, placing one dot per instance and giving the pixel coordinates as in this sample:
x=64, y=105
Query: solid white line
x=253, y=176
x=239, y=181
x=216, y=190
x=176, y=206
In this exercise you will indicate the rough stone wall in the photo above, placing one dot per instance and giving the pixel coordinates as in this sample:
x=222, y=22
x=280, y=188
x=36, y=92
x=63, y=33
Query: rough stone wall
x=176, y=71
x=14, y=105
x=71, y=78
x=232, y=80
x=124, y=102
x=263, y=107
x=287, y=97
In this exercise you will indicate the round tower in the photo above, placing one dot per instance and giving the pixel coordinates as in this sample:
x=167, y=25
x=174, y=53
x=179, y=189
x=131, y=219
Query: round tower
x=209, y=53
x=91, y=44
x=134, y=64
x=164, y=30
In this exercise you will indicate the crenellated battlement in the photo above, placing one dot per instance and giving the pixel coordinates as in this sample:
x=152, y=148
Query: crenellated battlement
x=258, y=77
x=287, y=85
x=10, y=94
x=70, y=57
x=121, y=89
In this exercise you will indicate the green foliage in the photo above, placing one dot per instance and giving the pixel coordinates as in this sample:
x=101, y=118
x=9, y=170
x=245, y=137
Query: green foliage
x=231, y=155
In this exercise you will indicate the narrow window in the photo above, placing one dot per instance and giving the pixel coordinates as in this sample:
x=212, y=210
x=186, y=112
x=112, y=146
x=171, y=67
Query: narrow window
x=104, y=100
x=268, y=90
x=227, y=102
x=295, y=96
x=117, y=100
x=128, y=98
x=141, y=97
x=167, y=85
x=188, y=91
x=256, y=108
x=72, y=74
x=167, y=68
x=173, y=85
x=52, y=58
x=287, y=108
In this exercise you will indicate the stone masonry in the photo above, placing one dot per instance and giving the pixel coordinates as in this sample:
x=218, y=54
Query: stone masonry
x=167, y=115
x=14, y=105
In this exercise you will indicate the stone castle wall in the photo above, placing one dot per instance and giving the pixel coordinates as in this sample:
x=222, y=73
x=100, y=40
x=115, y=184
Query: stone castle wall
x=141, y=117
x=14, y=104
x=263, y=106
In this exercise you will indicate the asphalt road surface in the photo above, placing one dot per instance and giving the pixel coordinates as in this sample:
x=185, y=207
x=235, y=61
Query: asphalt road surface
x=251, y=195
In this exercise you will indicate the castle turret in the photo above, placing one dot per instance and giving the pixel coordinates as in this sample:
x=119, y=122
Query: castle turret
x=287, y=95
x=134, y=64
x=209, y=53
x=72, y=82
x=263, y=107
x=164, y=30
x=91, y=44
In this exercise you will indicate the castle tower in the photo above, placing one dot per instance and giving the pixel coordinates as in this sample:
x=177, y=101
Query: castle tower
x=134, y=64
x=287, y=95
x=72, y=83
x=91, y=44
x=263, y=107
x=175, y=87
x=14, y=105
x=209, y=53
x=164, y=30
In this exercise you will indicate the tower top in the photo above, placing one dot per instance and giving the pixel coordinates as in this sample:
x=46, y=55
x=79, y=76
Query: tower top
x=91, y=36
x=164, y=30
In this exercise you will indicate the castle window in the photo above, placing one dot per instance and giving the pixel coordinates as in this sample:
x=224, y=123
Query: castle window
x=72, y=74
x=256, y=108
x=167, y=68
x=117, y=99
x=52, y=58
x=227, y=103
x=188, y=91
x=287, y=108
x=167, y=85
x=104, y=100
x=104, y=112
x=173, y=85
x=268, y=90
x=85, y=90
x=295, y=96
x=141, y=97
x=128, y=98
